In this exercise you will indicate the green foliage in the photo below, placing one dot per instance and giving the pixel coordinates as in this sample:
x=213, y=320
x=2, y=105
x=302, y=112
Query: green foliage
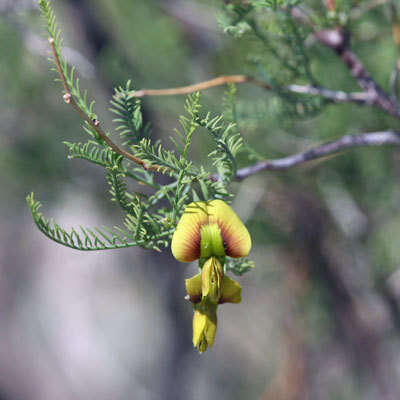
x=129, y=121
x=233, y=22
x=149, y=218
x=96, y=239
x=227, y=145
x=278, y=52
x=279, y=56
x=68, y=72
x=238, y=266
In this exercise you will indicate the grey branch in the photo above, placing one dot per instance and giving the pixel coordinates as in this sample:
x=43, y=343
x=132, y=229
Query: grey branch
x=344, y=143
x=338, y=41
x=337, y=96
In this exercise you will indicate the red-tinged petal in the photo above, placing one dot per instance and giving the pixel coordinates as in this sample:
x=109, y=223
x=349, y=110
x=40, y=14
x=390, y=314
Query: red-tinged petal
x=235, y=236
x=187, y=238
x=185, y=244
x=231, y=291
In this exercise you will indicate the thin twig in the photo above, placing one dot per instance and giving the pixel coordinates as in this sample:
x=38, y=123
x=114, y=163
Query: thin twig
x=95, y=124
x=58, y=65
x=337, y=96
x=220, y=80
x=326, y=149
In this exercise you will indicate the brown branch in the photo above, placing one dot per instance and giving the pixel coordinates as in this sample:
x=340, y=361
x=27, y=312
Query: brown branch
x=220, y=80
x=326, y=149
x=95, y=124
x=58, y=65
x=338, y=41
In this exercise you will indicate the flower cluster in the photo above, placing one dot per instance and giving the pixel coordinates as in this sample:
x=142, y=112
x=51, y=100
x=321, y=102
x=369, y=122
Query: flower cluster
x=208, y=232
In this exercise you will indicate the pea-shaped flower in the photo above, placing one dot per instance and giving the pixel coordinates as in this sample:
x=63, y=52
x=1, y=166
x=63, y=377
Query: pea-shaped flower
x=209, y=231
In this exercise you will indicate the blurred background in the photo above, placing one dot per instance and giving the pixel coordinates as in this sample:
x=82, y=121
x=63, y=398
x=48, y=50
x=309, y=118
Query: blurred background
x=320, y=316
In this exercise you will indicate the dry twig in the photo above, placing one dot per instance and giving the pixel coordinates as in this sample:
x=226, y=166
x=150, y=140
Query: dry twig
x=336, y=96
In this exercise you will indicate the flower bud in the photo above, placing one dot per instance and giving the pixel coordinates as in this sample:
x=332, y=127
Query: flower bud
x=204, y=325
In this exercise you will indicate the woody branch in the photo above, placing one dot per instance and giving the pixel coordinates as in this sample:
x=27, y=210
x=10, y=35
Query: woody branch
x=338, y=41
x=344, y=143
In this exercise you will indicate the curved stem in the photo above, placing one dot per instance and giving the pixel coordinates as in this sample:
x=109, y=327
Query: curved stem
x=95, y=124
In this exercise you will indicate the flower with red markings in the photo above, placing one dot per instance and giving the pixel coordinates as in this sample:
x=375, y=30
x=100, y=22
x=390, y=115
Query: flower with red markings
x=210, y=231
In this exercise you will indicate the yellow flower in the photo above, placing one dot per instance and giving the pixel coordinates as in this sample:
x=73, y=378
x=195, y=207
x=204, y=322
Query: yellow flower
x=209, y=229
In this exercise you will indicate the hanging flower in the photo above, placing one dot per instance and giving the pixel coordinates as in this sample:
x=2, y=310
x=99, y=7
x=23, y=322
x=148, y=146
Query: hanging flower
x=209, y=231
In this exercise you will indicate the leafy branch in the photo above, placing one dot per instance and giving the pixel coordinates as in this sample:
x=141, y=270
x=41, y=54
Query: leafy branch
x=149, y=218
x=73, y=95
x=92, y=238
x=129, y=116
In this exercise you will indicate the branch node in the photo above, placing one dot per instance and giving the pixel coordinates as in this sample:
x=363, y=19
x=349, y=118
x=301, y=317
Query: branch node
x=335, y=39
x=67, y=98
x=138, y=93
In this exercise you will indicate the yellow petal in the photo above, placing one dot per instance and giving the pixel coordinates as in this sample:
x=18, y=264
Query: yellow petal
x=236, y=238
x=185, y=244
x=193, y=288
x=231, y=291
